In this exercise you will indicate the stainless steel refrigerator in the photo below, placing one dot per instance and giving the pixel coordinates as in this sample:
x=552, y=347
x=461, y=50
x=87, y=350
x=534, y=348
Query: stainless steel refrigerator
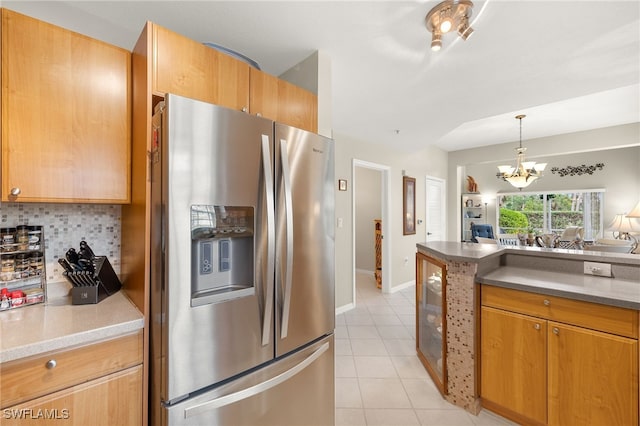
x=242, y=269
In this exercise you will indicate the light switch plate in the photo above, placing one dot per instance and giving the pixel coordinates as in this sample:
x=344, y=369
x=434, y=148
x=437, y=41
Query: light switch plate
x=598, y=269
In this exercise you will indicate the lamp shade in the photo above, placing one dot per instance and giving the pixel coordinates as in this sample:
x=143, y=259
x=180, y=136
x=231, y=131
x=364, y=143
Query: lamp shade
x=635, y=212
x=621, y=223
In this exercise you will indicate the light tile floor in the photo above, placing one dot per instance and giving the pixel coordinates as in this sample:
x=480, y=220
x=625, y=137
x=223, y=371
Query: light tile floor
x=379, y=379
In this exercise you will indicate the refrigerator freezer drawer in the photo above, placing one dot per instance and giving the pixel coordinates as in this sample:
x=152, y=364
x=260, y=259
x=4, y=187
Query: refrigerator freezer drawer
x=295, y=390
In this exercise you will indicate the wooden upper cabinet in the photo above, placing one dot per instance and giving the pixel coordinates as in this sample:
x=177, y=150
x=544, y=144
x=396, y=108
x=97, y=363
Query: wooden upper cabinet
x=66, y=122
x=188, y=68
x=282, y=101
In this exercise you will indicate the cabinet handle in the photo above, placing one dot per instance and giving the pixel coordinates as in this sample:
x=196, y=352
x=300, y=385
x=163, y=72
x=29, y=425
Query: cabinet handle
x=556, y=331
x=537, y=326
x=15, y=191
x=546, y=302
x=51, y=364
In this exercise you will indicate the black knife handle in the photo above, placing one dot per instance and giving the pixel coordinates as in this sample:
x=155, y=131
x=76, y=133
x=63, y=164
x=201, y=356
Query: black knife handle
x=84, y=246
x=72, y=256
x=65, y=265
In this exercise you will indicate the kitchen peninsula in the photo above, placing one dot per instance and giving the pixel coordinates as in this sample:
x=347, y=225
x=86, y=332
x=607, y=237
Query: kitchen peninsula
x=543, y=336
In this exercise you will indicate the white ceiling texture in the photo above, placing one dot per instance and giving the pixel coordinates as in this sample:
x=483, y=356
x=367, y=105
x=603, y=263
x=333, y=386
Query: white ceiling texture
x=568, y=65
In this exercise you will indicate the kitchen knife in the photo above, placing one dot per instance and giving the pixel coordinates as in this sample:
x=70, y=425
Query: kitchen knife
x=86, y=265
x=65, y=265
x=86, y=278
x=72, y=257
x=86, y=250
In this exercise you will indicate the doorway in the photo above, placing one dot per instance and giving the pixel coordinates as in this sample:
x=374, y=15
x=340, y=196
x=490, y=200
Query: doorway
x=370, y=198
x=435, y=208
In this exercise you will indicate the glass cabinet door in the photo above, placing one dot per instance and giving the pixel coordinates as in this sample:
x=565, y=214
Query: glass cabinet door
x=431, y=280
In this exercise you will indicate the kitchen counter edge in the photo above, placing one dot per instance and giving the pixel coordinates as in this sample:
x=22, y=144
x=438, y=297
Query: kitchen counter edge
x=59, y=325
x=620, y=292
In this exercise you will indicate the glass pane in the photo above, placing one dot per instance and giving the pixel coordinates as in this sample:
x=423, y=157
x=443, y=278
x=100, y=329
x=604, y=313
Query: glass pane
x=518, y=213
x=552, y=212
x=430, y=316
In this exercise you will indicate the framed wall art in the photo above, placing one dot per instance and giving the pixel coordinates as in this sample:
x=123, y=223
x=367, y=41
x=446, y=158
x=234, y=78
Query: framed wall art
x=408, y=205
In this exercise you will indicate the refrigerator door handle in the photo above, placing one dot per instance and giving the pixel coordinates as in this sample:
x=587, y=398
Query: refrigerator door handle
x=256, y=389
x=271, y=244
x=287, y=276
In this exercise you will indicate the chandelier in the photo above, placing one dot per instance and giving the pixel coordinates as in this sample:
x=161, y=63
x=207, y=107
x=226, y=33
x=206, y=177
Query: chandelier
x=524, y=172
x=446, y=16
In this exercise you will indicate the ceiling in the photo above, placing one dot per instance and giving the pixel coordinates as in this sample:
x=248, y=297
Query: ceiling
x=568, y=65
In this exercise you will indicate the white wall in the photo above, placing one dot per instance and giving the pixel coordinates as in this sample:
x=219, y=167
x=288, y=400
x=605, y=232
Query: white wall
x=617, y=147
x=431, y=161
x=368, y=208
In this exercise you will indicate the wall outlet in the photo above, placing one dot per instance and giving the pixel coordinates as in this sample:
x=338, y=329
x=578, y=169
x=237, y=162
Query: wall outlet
x=598, y=269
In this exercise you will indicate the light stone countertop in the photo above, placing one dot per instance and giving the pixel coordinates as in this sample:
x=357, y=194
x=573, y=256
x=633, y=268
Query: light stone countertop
x=608, y=291
x=57, y=324
x=473, y=252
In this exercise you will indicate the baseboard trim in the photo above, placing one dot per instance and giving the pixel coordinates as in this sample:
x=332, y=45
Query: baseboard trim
x=401, y=286
x=344, y=308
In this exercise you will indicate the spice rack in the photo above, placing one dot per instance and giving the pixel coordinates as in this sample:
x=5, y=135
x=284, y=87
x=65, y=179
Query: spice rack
x=22, y=266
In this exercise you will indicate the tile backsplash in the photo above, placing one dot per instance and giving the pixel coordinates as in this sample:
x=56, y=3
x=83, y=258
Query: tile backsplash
x=65, y=225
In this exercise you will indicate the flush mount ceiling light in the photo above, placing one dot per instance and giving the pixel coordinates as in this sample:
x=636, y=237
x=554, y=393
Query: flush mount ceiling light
x=524, y=172
x=446, y=16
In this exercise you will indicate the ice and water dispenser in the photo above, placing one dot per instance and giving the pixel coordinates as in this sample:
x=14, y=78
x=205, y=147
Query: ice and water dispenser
x=222, y=239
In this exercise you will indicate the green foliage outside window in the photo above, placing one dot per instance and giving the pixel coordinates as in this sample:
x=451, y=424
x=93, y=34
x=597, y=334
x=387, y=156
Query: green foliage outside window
x=552, y=212
x=512, y=222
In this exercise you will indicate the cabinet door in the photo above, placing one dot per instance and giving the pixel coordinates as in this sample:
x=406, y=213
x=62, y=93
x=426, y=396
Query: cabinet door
x=65, y=115
x=593, y=377
x=111, y=400
x=282, y=101
x=513, y=364
x=431, y=318
x=191, y=69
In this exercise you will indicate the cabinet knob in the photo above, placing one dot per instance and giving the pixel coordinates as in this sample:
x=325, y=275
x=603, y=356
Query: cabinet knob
x=15, y=191
x=537, y=326
x=51, y=364
x=546, y=302
x=556, y=331
x=245, y=109
x=258, y=114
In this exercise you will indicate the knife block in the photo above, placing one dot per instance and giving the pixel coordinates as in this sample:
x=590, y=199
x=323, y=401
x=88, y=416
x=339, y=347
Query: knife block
x=92, y=288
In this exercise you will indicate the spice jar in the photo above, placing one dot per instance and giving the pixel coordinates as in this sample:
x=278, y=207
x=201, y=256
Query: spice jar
x=7, y=238
x=7, y=267
x=35, y=237
x=36, y=263
x=22, y=265
x=22, y=237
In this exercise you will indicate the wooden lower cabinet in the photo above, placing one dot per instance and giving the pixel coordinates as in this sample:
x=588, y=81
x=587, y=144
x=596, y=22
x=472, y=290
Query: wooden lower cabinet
x=514, y=364
x=538, y=371
x=593, y=377
x=96, y=384
x=112, y=400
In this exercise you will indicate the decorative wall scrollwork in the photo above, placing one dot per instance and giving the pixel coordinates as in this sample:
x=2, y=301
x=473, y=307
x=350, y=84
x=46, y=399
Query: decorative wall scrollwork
x=577, y=170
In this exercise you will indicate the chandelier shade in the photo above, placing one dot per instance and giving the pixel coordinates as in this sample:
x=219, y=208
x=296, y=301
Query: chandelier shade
x=525, y=172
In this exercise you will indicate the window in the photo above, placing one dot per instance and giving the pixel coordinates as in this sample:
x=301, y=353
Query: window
x=548, y=212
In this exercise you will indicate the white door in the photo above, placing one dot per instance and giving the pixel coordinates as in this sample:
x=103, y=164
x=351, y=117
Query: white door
x=436, y=222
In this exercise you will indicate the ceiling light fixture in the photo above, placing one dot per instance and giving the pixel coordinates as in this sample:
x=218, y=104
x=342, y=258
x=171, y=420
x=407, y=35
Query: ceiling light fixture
x=524, y=172
x=446, y=16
